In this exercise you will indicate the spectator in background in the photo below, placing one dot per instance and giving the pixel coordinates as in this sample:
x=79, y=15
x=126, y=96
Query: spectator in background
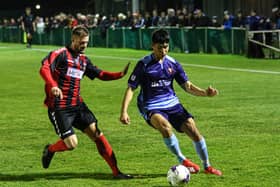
x=104, y=25
x=90, y=21
x=253, y=21
x=239, y=20
x=121, y=21
x=227, y=26
x=162, y=22
x=171, y=17
x=13, y=23
x=189, y=17
x=5, y=22
x=73, y=22
x=276, y=17
x=197, y=38
x=138, y=21
x=254, y=50
x=181, y=20
x=265, y=24
x=48, y=25
x=28, y=25
x=40, y=26
x=214, y=22
x=82, y=20
x=155, y=19
x=228, y=20
x=200, y=19
x=147, y=20
x=215, y=37
x=128, y=21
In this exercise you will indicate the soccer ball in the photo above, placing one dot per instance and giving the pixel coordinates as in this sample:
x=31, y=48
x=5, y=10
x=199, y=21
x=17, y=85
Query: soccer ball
x=178, y=175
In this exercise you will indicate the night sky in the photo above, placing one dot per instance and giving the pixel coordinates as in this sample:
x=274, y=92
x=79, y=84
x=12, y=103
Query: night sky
x=47, y=6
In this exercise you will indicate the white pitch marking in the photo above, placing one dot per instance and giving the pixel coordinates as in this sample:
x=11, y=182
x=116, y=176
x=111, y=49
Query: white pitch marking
x=184, y=64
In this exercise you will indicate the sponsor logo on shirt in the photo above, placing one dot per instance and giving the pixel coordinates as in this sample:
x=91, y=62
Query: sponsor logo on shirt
x=160, y=83
x=76, y=73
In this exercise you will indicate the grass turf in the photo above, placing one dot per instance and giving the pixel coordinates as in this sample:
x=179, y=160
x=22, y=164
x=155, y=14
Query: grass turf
x=241, y=125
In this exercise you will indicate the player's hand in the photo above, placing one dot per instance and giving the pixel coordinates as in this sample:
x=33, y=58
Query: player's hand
x=124, y=118
x=124, y=72
x=57, y=92
x=211, y=91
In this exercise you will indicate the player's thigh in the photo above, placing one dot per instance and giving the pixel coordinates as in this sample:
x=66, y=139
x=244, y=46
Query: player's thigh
x=62, y=121
x=161, y=123
x=86, y=120
x=189, y=127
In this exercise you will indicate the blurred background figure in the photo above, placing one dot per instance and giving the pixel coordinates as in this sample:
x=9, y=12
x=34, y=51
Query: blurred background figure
x=40, y=25
x=28, y=26
x=239, y=20
x=254, y=50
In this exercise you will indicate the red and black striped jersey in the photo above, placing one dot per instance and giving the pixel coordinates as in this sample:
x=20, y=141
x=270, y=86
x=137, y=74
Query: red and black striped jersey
x=65, y=69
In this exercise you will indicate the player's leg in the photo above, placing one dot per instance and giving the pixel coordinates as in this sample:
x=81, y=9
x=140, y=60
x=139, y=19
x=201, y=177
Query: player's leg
x=159, y=122
x=87, y=122
x=189, y=127
x=29, y=38
x=68, y=140
x=105, y=150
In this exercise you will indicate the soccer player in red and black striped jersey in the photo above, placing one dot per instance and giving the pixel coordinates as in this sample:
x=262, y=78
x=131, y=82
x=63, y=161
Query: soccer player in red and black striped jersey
x=62, y=71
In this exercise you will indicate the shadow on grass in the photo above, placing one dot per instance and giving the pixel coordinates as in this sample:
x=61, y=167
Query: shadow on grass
x=69, y=175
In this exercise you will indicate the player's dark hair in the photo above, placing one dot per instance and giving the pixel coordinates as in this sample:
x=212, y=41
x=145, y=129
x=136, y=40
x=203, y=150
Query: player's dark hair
x=160, y=36
x=80, y=31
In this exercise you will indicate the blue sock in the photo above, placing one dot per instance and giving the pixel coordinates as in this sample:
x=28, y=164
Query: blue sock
x=201, y=150
x=173, y=145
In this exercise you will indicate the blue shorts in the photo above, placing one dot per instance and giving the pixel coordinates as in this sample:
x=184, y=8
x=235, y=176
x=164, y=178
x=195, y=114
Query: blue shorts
x=176, y=115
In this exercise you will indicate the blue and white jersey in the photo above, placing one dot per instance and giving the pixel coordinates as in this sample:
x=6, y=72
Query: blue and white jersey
x=156, y=82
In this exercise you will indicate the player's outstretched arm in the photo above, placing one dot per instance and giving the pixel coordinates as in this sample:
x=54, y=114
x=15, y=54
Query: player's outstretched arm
x=106, y=75
x=195, y=90
x=124, y=117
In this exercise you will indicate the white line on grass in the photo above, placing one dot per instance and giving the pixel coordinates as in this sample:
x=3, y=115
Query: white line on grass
x=232, y=69
x=184, y=64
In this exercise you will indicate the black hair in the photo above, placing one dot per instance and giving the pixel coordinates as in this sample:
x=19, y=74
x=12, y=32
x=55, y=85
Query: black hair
x=160, y=36
x=80, y=31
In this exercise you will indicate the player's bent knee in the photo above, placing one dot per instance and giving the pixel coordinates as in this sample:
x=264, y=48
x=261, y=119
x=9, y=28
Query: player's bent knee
x=71, y=142
x=165, y=130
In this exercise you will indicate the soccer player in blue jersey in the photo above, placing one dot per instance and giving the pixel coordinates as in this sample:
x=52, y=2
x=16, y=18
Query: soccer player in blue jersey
x=159, y=105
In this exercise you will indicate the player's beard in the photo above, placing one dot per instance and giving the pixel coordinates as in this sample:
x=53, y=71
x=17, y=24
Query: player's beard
x=82, y=50
x=79, y=49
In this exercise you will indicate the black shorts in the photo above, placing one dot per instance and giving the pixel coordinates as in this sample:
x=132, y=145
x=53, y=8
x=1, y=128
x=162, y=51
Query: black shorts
x=63, y=121
x=29, y=30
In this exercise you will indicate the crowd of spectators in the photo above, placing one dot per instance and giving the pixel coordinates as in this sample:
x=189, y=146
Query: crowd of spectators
x=170, y=17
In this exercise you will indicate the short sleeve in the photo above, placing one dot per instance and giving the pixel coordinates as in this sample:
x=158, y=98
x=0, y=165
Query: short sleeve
x=135, y=77
x=180, y=76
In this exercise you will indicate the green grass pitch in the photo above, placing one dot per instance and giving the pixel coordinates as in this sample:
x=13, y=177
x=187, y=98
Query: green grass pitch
x=241, y=125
